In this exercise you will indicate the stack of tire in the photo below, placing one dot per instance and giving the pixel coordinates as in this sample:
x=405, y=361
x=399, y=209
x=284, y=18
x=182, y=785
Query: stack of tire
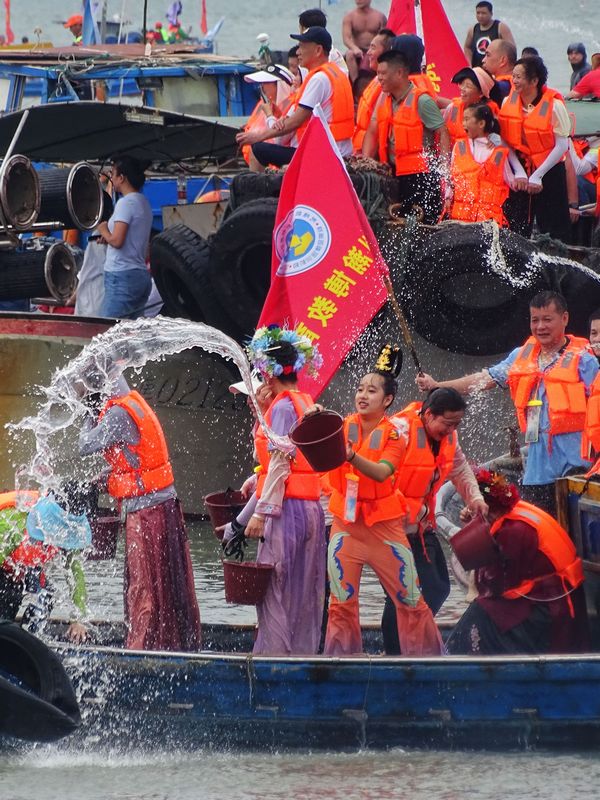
x=223, y=280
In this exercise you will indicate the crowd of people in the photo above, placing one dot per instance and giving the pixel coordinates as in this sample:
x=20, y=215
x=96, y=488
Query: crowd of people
x=380, y=502
x=504, y=149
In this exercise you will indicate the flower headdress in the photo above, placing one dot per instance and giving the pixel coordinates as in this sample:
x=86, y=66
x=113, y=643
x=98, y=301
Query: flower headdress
x=496, y=489
x=267, y=340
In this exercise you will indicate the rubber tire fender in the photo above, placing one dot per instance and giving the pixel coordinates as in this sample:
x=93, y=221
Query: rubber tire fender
x=47, y=709
x=242, y=248
x=455, y=300
x=181, y=265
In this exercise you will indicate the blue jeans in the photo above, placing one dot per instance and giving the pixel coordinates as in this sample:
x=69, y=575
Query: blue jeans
x=126, y=293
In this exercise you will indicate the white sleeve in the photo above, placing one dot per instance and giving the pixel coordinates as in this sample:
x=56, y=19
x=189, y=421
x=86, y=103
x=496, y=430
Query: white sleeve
x=318, y=90
x=560, y=148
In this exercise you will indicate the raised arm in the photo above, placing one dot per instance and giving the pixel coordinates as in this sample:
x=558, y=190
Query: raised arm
x=476, y=382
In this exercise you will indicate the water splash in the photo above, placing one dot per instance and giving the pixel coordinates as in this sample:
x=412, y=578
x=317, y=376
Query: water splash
x=98, y=369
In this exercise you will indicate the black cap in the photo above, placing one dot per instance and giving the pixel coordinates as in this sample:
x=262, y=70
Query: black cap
x=411, y=46
x=315, y=34
x=463, y=74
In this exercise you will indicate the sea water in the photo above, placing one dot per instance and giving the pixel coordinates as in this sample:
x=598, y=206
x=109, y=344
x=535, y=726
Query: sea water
x=549, y=25
x=48, y=773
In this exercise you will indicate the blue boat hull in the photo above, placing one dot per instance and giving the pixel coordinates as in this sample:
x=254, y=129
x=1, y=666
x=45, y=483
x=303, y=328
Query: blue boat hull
x=236, y=700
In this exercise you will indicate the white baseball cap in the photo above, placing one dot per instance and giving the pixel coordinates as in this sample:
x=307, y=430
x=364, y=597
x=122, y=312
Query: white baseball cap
x=271, y=74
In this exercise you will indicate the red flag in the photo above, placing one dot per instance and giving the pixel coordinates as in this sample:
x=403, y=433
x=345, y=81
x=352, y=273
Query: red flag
x=443, y=53
x=10, y=37
x=401, y=17
x=327, y=271
x=203, y=20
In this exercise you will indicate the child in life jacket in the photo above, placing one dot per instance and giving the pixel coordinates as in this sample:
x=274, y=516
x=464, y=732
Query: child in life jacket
x=482, y=170
x=368, y=523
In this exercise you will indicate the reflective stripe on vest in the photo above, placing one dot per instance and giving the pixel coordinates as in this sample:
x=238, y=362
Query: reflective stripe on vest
x=376, y=501
x=153, y=471
x=565, y=391
x=553, y=542
x=531, y=134
x=341, y=124
x=407, y=128
x=303, y=483
x=421, y=474
x=479, y=189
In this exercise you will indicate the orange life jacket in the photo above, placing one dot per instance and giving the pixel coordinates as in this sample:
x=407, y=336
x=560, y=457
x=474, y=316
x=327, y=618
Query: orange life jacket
x=30, y=552
x=154, y=471
x=565, y=391
x=590, y=442
x=364, y=112
x=377, y=501
x=303, y=482
x=422, y=81
x=256, y=117
x=408, y=133
x=341, y=124
x=507, y=77
x=553, y=542
x=454, y=121
x=422, y=473
x=530, y=134
x=581, y=147
x=479, y=189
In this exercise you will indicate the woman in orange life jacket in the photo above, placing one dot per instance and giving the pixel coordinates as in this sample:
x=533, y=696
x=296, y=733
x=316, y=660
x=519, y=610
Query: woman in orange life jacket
x=368, y=525
x=534, y=121
x=474, y=89
x=161, y=609
x=482, y=170
x=531, y=597
x=433, y=455
x=276, y=85
x=285, y=512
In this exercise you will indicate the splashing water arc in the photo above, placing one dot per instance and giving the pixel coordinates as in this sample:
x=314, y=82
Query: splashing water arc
x=97, y=369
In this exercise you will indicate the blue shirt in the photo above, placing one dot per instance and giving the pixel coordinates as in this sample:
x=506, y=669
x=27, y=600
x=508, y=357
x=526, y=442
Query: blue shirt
x=135, y=210
x=544, y=463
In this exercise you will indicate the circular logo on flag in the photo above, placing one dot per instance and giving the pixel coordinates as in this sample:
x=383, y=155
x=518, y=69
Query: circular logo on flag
x=302, y=240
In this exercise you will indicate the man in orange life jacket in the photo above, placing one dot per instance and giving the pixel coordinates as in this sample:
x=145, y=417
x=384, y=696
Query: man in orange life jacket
x=325, y=85
x=161, y=609
x=549, y=378
x=499, y=60
x=531, y=597
x=433, y=456
x=402, y=133
x=366, y=104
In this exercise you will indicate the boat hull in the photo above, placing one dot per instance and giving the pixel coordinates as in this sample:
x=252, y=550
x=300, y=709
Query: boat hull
x=236, y=700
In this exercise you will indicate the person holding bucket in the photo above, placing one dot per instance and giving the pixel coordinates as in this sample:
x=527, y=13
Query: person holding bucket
x=432, y=456
x=368, y=523
x=285, y=512
x=529, y=579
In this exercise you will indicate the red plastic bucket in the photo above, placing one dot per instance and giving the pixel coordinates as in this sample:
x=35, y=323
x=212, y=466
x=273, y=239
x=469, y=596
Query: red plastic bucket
x=320, y=439
x=105, y=531
x=223, y=507
x=247, y=582
x=474, y=545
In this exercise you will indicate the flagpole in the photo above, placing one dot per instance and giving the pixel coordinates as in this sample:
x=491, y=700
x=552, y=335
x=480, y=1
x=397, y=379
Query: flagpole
x=145, y=23
x=406, y=334
x=419, y=26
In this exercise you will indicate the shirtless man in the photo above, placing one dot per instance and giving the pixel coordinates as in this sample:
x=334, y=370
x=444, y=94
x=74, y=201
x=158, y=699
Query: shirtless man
x=358, y=29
